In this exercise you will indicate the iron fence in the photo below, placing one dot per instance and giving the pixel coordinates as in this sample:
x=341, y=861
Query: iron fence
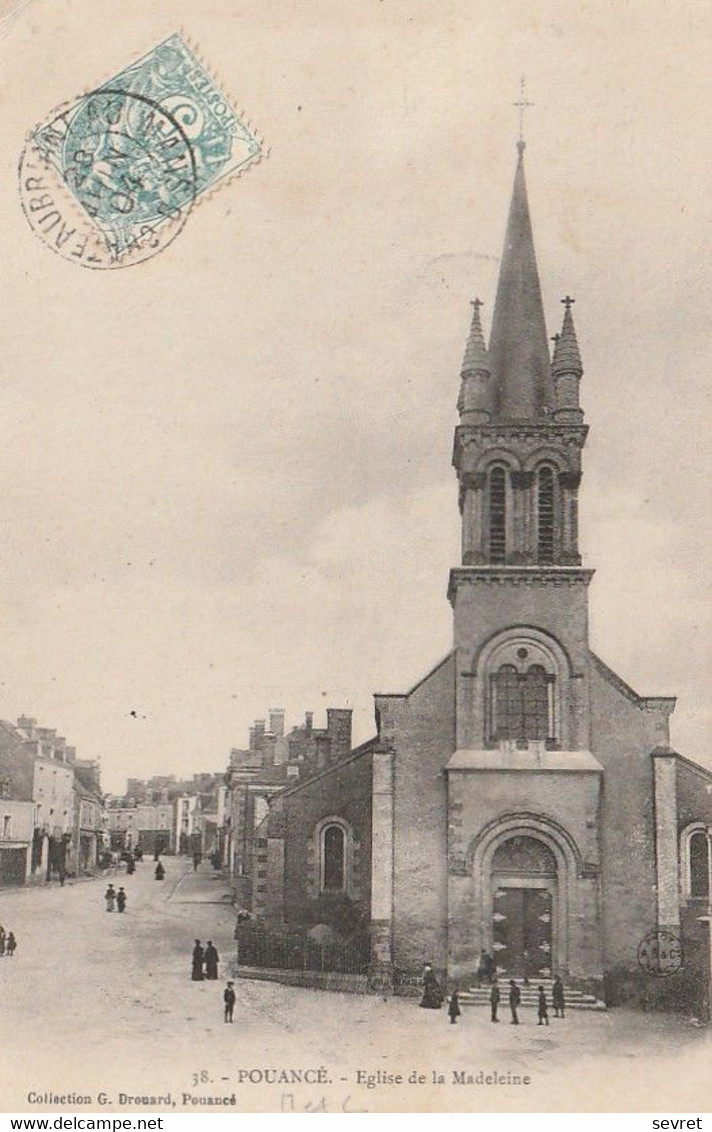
x=288, y=951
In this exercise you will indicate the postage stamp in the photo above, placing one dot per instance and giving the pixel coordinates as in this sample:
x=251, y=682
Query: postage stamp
x=109, y=180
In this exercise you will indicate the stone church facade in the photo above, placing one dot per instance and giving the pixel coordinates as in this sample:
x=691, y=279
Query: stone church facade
x=521, y=798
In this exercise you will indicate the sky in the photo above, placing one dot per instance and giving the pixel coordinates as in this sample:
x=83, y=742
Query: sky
x=226, y=478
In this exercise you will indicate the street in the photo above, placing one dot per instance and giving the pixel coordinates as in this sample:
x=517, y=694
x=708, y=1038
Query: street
x=99, y=1007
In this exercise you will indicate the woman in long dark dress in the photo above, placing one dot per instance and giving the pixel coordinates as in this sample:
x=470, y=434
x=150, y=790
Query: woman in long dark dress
x=432, y=994
x=160, y=871
x=198, y=960
x=211, y=961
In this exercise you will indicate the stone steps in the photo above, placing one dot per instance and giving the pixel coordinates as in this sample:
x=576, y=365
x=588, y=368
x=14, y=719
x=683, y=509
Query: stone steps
x=575, y=999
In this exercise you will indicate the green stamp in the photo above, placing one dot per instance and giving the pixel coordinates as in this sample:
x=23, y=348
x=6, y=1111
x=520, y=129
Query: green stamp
x=134, y=155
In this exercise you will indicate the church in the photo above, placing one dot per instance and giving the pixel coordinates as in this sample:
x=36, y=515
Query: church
x=521, y=799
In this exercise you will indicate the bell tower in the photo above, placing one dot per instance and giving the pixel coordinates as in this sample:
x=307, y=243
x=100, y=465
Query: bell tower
x=520, y=594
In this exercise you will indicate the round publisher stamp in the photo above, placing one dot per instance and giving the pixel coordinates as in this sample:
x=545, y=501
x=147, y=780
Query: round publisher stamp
x=660, y=953
x=110, y=179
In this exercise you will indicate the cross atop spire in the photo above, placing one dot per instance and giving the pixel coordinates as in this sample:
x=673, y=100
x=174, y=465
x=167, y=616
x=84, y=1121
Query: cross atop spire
x=567, y=357
x=476, y=352
x=522, y=105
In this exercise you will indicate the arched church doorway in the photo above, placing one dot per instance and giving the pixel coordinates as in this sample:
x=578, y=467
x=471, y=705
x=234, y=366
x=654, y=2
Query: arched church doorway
x=524, y=895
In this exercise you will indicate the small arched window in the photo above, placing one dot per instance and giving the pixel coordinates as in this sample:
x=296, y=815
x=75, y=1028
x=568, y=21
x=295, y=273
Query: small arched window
x=333, y=858
x=497, y=516
x=699, y=857
x=535, y=704
x=508, y=709
x=523, y=704
x=545, y=515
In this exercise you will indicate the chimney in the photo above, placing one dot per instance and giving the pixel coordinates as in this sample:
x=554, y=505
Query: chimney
x=276, y=722
x=308, y=722
x=338, y=726
x=28, y=724
x=269, y=742
x=256, y=734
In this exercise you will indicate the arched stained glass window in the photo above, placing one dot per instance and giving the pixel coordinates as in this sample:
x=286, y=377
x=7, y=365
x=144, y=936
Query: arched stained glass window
x=535, y=704
x=497, y=516
x=522, y=704
x=333, y=841
x=508, y=705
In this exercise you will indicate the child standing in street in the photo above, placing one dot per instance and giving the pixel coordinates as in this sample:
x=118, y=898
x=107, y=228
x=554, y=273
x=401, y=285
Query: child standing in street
x=454, y=1007
x=543, y=1009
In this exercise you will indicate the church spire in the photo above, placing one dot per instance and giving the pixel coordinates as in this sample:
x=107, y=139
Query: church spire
x=566, y=369
x=567, y=358
x=519, y=352
x=473, y=403
x=475, y=352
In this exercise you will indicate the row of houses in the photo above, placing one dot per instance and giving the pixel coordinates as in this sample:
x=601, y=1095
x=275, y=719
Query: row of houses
x=168, y=815
x=52, y=818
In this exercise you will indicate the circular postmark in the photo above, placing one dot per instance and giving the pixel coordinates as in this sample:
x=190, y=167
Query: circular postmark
x=109, y=181
x=660, y=953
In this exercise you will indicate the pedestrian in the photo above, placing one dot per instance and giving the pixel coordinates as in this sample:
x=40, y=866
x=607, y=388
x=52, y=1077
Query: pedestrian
x=110, y=898
x=130, y=866
x=156, y=855
x=11, y=944
x=121, y=900
x=2, y=940
x=229, y=1000
x=515, y=997
x=196, y=862
x=211, y=961
x=198, y=960
x=432, y=994
x=557, y=997
x=543, y=1009
x=494, y=999
x=160, y=871
x=453, y=1007
x=482, y=969
x=62, y=876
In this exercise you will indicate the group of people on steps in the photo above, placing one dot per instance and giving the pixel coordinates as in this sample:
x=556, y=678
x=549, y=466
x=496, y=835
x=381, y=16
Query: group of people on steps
x=433, y=998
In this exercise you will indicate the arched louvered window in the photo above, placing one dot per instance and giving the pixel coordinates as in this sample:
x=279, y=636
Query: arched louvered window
x=699, y=856
x=545, y=515
x=333, y=842
x=497, y=516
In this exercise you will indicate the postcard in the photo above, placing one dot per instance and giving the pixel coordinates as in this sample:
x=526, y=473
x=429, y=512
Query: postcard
x=354, y=724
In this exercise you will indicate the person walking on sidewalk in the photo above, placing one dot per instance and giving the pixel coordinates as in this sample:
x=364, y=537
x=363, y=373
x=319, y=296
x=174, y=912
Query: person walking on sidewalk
x=11, y=944
x=211, y=961
x=121, y=900
x=515, y=997
x=229, y=1000
x=198, y=960
x=543, y=1009
x=557, y=997
x=494, y=999
x=453, y=1008
x=110, y=898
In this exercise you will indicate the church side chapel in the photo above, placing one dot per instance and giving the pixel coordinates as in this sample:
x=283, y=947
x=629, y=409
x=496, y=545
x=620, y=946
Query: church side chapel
x=521, y=799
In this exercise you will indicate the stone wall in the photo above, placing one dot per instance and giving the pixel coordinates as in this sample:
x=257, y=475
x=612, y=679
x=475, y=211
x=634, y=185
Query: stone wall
x=420, y=728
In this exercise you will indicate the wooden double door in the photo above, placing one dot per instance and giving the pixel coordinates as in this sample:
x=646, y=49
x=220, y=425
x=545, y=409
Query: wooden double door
x=522, y=931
